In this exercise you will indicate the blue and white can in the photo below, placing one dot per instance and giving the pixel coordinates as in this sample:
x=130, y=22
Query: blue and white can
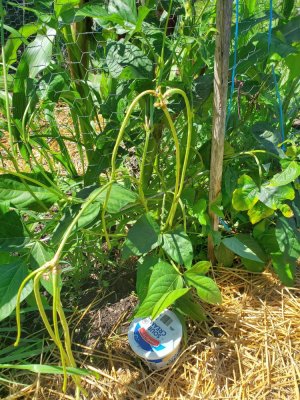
x=156, y=342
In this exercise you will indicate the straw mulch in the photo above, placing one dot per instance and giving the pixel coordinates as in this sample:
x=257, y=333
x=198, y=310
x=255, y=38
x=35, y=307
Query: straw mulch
x=249, y=350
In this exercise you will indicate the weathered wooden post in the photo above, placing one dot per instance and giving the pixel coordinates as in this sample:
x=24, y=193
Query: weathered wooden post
x=223, y=25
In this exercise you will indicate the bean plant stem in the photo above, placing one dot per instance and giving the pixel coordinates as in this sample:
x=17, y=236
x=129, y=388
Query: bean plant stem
x=7, y=100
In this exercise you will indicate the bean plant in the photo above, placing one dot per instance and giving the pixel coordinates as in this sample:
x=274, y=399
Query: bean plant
x=136, y=79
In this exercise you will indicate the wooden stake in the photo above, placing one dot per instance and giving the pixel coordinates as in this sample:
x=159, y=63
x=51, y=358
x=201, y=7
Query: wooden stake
x=223, y=25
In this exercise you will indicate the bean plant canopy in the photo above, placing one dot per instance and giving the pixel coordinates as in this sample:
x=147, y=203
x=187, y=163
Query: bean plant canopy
x=107, y=113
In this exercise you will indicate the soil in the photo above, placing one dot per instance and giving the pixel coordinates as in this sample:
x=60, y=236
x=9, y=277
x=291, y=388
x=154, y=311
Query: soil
x=117, y=306
x=108, y=320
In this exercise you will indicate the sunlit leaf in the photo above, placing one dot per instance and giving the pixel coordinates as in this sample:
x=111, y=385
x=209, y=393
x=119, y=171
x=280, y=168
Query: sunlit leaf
x=246, y=195
x=164, y=279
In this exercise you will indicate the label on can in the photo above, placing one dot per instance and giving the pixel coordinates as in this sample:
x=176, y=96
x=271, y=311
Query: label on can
x=158, y=341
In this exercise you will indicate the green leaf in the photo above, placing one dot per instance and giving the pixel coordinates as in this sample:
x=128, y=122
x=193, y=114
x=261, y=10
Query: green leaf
x=13, y=235
x=96, y=10
x=293, y=62
x=164, y=279
x=201, y=267
x=241, y=248
x=272, y=196
x=246, y=195
x=290, y=173
x=16, y=39
x=253, y=266
x=283, y=244
x=142, y=237
x=206, y=288
x=126, y=61
x=187, y=306
x=286, y=210
x=285, y=267
x=47, y=369
x=25, y=196
x=224, y=255
x=288, y=237
x=198, y=210
x=39, y=255
x=143, y=11
x=119, y=198
x=88, y=217
x=124, y=8
x=287, y=8
x=12, y=276
x=144, y=271
x=217, y=207
x=259, y=212
x=167, y=300
x=290, y=30
x=178, y=246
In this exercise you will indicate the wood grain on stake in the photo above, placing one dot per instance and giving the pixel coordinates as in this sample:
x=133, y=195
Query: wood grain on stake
x=223, y=25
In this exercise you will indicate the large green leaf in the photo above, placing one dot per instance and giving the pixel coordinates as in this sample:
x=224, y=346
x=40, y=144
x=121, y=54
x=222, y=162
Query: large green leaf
x=164, y=279
x=23, y=195
x=39, y=255
x=293, y=62
x=119, y=198
x=12, y=276
x=246, y=195
x=290, y=173
x=290, y=30
x=252, y=244
x=242, y=248
x=288, y=237
x=189, y=307
x=285, y=267
x=13, y=235
x=88, y=216
x=201, y=267
x=258, y=212
x=142, y=237
x=126, y=61
x=287, y=8
x=283, y=245
x=16, y=38
x=145, y=267
x=178, y=246
x=98, y=11
x=206, y=288
x=273, y=196
x=253, y=266
x=224, y=255
x=167, y=300
x=126, y=9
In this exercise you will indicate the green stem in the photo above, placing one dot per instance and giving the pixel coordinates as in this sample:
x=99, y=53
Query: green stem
x=7, y=101
x=141, y=180
x=162, y=55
